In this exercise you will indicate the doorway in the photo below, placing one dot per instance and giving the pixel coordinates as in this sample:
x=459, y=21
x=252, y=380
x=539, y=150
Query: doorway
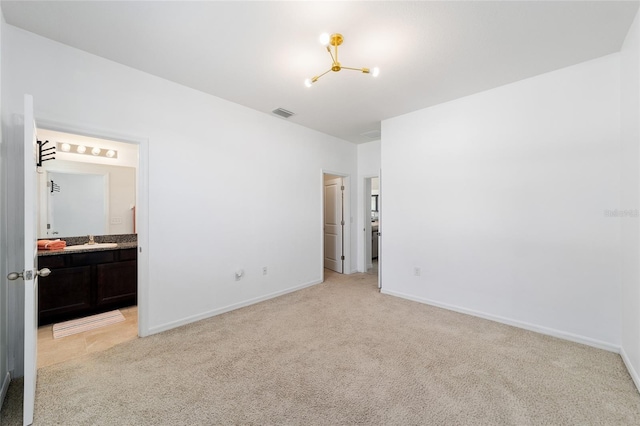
x=341, y=220
x=21, y=239
x=62, y=199
x=372, y=209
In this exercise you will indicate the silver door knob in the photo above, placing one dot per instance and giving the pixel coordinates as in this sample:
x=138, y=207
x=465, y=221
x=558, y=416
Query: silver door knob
x=44, y=272
x=14, y=276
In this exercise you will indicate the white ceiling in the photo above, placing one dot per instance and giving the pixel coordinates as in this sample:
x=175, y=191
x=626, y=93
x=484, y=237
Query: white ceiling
x=258, y=54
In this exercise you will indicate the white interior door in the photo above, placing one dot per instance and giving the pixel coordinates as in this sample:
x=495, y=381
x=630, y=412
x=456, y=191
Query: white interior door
x=30, y=273
x=333, y=225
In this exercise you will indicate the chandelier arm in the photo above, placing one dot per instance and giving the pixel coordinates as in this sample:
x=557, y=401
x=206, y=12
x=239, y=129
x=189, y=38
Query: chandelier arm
x=333, y=60
x=323, y=73
x=362, y=70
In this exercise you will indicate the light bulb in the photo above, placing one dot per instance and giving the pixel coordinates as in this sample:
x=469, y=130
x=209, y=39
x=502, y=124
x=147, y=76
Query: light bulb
x=375, y=72
x=324, y=39
x=81, y=149
x=65, y=147
x=111, y=153
x=307, y=82
x=95, y=151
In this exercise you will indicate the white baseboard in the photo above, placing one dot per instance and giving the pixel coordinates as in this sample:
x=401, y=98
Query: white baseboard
x=632, y=371
x=214, y=312
x=515, y=323
x=5, y=387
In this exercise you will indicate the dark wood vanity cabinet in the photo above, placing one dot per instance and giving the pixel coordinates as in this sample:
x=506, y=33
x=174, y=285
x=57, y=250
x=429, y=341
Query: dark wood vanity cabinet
x=82, y=284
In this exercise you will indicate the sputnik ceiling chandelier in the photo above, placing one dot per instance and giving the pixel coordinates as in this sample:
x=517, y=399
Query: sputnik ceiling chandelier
x=336, y=40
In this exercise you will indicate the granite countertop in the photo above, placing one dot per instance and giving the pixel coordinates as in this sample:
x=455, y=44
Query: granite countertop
x=126, y=241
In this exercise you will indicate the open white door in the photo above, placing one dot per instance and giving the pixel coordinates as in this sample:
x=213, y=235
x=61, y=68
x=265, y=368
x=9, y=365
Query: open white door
x=380, y=230
x=30, y=272
x=333, y=225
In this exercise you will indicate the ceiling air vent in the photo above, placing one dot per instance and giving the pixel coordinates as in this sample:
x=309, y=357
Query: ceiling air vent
x=373, y=134
x=283, y=113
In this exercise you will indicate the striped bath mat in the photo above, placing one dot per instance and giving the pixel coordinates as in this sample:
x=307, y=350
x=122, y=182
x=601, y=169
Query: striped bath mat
x=79, y=325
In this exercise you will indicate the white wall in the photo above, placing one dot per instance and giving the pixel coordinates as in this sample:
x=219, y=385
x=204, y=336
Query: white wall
x=229, y=187
x=368, y=166
x=630, y=192
x=500, y=199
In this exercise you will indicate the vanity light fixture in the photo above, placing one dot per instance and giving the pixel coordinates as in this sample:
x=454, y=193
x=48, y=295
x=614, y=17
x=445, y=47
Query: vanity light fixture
x=336, y=40
x=87, y=150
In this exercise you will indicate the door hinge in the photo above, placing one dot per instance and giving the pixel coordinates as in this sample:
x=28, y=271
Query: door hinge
x=342, y=187
x=342, y=223
x=341, y=257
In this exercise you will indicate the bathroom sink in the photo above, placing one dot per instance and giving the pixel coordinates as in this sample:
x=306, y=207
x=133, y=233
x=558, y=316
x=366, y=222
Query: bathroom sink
x=92, y=246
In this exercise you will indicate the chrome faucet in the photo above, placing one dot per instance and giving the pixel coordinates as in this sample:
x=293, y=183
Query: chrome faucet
x=91, y=241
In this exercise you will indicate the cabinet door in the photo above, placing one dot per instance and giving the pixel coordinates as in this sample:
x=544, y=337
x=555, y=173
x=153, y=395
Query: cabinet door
x=64, y=294
x=117, y=283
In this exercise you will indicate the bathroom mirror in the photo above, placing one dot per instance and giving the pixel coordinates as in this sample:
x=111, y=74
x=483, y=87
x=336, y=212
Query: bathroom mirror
x=374, y=203
x=89, y=188
x=77, y=204
x=77, y=199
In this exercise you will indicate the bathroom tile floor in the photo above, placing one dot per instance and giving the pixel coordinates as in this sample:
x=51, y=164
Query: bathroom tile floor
x=52, y=351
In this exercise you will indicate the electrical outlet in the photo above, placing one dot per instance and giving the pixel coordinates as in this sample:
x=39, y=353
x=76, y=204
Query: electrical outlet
x=264, y=270
x=239, y=274
x=417, y=271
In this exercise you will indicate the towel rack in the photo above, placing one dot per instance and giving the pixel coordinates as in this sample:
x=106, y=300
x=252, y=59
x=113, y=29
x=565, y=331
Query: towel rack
x=45, y=154
x=54, y=187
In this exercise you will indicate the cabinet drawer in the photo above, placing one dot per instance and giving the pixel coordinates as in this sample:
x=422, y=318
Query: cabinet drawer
x=56, y=261
x=129, y=254
x=81, y=259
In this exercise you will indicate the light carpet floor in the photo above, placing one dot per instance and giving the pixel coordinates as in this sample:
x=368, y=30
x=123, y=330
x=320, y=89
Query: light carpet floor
x=335, y=354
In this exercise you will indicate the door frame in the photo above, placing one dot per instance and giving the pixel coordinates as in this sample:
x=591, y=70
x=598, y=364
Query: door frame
x=142, y=204
x=367, y=245
x=346, y=239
